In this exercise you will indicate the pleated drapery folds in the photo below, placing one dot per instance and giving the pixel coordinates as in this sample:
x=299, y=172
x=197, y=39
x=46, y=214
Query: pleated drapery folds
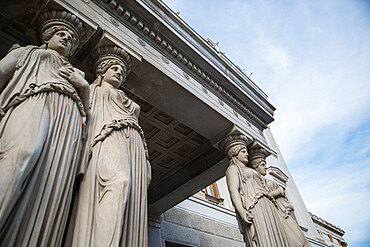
x=112, y=198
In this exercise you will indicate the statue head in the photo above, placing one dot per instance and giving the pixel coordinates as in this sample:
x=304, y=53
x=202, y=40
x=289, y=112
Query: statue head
x=259, y=165
x=61, y=31
x=60, y=39
x=112, y=64
x=241, y=155
x=257, y=159
x=235, y=147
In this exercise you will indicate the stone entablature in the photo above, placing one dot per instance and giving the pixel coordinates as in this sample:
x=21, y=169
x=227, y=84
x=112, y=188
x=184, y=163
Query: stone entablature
x=152, y=35
x=327, y=224
x=278, y=175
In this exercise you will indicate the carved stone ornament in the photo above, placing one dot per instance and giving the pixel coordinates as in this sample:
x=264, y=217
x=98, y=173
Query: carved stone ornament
x=186, y=75
x=42, y=117
x=141, y=42
x=112, y=202
x=114, y=21
x=54, y=18
x=293, y=234
x=106, y=53
x=255, y=151
x=231, y=144
x=129, y=17
x=262, y=210
x=165, y=60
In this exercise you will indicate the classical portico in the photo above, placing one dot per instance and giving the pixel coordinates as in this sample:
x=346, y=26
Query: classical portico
x=191, y=95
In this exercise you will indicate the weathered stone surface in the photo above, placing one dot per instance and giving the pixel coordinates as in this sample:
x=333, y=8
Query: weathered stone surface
x=213, y=233
x=112, y=202
x=44, y=100
x=177, y=216
x=202, y=224
x=209, y=240
x=266, y=219
x=179, y=234
x=223, y=230
x=237, y=235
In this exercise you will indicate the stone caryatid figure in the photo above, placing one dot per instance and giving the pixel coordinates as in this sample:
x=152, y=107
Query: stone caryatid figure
x=112, y=201
x=256, y=209
x=43, y=105
x=257, y=161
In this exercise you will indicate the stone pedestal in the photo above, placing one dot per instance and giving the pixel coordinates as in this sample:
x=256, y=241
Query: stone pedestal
x=154, y=231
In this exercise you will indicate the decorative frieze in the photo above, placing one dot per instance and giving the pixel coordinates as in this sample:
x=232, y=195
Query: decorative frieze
x=186, y=76
x=152, y=35
x=141, y=42
x=114, y=22
x=165, y=60
x=278, y=174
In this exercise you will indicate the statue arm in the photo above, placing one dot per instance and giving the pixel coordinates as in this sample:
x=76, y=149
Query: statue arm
x=76, y=78
x=233, y=184
x=149, y=172
x=277, y=193
x=8, y=66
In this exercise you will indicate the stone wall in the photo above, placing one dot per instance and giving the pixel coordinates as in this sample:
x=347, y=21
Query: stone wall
x=188, y=229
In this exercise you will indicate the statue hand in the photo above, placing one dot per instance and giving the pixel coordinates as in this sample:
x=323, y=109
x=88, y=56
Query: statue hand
x=78, y=81
x=247, y=217
x=75, y=78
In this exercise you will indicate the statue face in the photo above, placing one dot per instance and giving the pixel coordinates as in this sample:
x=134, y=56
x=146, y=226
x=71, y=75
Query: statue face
x=261, y=169
x=61, y=42
x=243, y=156
x=114, y=75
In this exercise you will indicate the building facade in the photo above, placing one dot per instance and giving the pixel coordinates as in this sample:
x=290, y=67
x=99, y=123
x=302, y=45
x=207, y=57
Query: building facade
x=208, y=217
x=191, y=96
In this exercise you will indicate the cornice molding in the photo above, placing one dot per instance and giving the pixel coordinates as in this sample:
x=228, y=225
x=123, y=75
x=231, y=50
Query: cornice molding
x=327, y=224
x=173, y=53
x=277, y=173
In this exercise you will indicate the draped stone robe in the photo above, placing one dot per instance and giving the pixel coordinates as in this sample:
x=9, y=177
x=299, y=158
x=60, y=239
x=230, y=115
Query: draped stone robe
x=41, y=130
x=294, y=232
x=112, y=201
x=267, y=227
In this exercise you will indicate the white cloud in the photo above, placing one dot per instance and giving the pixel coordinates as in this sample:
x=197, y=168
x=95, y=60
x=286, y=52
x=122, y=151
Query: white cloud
x=311, y=58
x=309, y=102
x=340, y=195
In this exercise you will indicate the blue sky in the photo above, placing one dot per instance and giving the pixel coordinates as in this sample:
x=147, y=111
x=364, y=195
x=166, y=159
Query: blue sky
x=313, y=60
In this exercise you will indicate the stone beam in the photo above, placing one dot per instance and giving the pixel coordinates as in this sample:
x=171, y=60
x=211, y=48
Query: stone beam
x=206, y=169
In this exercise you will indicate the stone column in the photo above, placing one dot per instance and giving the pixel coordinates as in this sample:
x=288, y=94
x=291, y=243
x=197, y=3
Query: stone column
x=258, y=201
x=154, y=231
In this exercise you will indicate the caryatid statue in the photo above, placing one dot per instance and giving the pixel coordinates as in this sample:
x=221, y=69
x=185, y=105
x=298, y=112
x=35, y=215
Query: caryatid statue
x=112, y=201
x=256, y=209
x=44, y=101
x=257, y=161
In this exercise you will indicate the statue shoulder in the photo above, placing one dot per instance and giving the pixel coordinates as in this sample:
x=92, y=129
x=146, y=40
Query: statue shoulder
x=9, y=64
x=232, y=172
x=17, y=55
x=232, y=169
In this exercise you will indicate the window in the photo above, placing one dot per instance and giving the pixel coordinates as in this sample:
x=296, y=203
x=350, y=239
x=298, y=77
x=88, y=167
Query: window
x=212, y=190
x=330, y=238
x=172, y=244
x=212, y=194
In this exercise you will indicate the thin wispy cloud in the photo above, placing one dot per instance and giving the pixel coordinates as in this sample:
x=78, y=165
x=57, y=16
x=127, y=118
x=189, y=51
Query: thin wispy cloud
x=312, y=59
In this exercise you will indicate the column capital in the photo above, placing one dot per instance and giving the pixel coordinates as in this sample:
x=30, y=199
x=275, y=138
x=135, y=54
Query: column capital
x=233, y=142
x=255, y=151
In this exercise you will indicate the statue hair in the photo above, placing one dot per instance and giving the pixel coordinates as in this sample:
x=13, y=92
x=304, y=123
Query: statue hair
x=106, y=64
x=254, y=164
x=49, y=33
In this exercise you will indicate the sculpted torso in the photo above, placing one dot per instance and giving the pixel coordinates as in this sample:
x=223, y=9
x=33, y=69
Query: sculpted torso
x=43, y=105
x=112, y=205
